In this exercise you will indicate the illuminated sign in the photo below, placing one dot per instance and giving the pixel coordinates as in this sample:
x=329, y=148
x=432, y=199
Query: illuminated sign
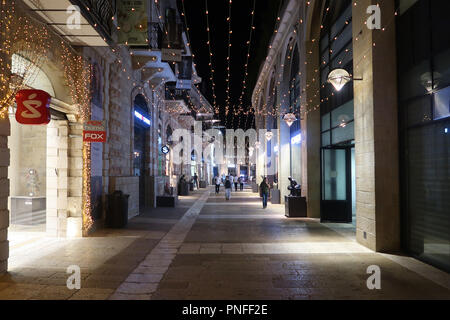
x=33, y=107
x=165, y=149
x=296, y=139
x=142, y=118
x=94, y=131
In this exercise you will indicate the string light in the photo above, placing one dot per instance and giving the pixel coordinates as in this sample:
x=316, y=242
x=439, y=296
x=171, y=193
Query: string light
x=216, y=108
x=309, y=106
x=228, y=79
x=37, y=44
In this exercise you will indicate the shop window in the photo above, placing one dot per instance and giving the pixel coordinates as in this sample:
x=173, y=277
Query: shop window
x=441, y=106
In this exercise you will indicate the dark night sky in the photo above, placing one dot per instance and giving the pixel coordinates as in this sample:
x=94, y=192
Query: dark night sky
x=265, y=17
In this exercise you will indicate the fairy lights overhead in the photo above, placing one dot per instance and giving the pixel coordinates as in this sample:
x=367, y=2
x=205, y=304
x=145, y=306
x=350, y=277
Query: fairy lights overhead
x=244, y=81
x=228, y=78
x=308, y=105
x=208, y=29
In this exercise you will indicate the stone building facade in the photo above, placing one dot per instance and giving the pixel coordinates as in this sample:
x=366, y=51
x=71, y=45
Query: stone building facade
x=360, y=124
x=121, y=81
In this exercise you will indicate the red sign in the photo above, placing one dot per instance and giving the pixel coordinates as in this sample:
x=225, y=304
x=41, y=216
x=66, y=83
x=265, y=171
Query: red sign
x=33, y=107
x=94, y=136
x=94, y=131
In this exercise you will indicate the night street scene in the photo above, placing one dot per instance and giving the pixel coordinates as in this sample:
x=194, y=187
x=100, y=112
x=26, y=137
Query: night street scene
x=224, y=159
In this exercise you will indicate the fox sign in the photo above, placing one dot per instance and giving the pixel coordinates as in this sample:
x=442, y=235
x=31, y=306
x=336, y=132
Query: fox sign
x=94, y=131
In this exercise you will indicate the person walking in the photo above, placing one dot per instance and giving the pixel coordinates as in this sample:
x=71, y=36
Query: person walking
x=217, y=182
x=264, y=192
x=236, y=183
x=241, y=183
x=196, y=180
x=228, y=188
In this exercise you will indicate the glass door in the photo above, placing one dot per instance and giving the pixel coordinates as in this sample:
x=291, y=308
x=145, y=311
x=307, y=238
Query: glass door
x=336, y=202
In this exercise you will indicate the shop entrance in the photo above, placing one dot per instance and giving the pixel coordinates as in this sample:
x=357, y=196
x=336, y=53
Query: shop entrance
x=338, y=185
x=141, y=144
x=27, y=174
x=29, y=159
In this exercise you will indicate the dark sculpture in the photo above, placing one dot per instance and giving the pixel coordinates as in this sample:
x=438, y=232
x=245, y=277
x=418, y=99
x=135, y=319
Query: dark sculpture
x=294, y=188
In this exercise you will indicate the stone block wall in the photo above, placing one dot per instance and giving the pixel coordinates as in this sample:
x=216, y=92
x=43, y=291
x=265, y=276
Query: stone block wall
x=4, y=193
x=376, y=132
x=57, y=177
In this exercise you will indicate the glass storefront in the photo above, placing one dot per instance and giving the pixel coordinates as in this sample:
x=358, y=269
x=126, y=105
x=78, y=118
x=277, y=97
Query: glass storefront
x=141, y=144
x=295, y=129
x=338, y=202
x=424, y=108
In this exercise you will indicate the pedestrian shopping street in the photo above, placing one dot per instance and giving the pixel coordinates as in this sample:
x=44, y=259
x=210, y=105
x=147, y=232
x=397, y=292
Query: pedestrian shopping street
x=207, y=248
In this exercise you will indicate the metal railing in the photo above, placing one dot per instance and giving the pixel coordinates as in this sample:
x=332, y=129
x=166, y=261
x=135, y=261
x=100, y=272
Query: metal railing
x=99, y=12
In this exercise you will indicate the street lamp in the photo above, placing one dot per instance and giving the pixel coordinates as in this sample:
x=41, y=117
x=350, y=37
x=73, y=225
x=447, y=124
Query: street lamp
x=269, y=135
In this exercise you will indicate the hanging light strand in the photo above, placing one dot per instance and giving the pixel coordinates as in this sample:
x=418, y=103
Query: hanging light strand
x=228, y=79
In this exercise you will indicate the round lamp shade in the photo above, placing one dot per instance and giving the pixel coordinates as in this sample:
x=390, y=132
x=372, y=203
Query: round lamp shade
x=339, y=78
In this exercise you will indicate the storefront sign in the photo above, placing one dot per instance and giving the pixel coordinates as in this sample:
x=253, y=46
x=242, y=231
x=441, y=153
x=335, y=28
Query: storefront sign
x=142, y=118
x=33, y=107
x=132, y=20
x=165, y=150
x=94, y=131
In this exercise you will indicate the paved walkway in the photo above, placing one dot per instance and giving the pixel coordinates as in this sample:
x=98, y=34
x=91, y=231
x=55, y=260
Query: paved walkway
x=209, y=248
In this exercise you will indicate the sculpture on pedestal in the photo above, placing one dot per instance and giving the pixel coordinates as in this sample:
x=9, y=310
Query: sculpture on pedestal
x=294, y=188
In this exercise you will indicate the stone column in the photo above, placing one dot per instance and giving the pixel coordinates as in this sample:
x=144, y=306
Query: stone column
x=5, y=131
x=311, y=139
x=57, y=182
x=376, y=132
x=284, y=148
x=75, y=181
x=4, y=194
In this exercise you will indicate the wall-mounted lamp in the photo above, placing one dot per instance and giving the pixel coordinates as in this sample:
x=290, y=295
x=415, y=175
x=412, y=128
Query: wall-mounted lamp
x=339, y=78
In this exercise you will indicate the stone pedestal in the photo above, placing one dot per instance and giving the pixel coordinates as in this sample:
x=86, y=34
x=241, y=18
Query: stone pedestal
x=295, y=207
x=27, y=211
x=276, y=196
x=167, y=201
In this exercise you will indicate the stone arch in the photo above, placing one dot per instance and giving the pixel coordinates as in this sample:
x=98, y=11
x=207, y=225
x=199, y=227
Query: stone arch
x=285, y=65
x=313, y=19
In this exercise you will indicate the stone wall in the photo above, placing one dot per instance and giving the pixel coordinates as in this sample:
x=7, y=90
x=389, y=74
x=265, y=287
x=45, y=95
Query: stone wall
x=376, y=132
x=4, y=193
x=57, y=177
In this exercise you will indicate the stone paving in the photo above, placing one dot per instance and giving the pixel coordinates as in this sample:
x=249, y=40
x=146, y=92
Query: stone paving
x=38, y=264
x=208, y=248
